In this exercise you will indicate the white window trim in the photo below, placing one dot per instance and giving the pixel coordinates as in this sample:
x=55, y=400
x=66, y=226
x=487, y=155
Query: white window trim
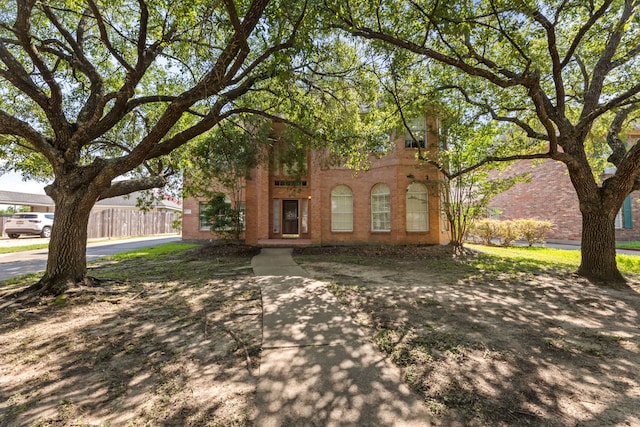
x=348, y=225
x=200, y=226
x=418, y=126
x=304, y=217
x=276, y=216
x=423, y=196
x=375, y=211
x=619, y=222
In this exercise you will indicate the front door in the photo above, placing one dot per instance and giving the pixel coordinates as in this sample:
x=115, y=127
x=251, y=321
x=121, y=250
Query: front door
x=289, y=217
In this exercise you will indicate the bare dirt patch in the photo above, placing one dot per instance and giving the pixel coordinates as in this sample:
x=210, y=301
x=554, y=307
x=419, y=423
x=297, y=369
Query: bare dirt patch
x=172, y=341
x=487, y=345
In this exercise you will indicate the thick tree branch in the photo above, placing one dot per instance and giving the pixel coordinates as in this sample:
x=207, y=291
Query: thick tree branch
x=214, y=81
x=555, y=62
x=368, y=33
x=625, y=98
x=20, y=78
x=53, y=108
x=530, y=132
x=11, y=125
x=618, y=147
x=208, y=122
x=228, y=62
x=624, y=180
x=489, y=159
x=120, y=188
x=288, y=44
x=603, y=66
x=104, y=36
x=584, y=29
x=142, y=30
x=235, y=22
x=541, y=103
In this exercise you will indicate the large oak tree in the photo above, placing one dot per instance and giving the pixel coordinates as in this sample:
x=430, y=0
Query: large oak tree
x=102, y=94
x=555, y=69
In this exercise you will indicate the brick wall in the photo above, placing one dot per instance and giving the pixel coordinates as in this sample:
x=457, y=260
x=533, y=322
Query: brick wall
x=191, y=222
x=397, y=170
x=191, y=217
x=550, y=196
x=397, y=176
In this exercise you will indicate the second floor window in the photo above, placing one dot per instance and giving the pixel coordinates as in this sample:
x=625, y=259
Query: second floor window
x=416, y=135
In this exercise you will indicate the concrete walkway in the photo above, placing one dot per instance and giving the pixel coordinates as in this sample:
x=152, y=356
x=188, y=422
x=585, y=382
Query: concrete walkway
x=317, y=367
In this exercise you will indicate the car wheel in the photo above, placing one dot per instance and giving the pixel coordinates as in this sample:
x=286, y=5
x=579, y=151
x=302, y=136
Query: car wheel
x=46, y=232
x=13, y=236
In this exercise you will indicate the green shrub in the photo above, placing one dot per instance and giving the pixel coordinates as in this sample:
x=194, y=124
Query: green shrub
x=509, y=231
x=486, y=230
x=533, y=230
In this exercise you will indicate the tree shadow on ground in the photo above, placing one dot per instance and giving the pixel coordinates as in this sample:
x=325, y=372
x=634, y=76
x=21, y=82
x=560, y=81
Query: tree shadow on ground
x=172, y=349
x=500, y=347
x=318, y=368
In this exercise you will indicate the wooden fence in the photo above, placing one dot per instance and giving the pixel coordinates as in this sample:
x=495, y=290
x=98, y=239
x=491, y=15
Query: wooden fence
x=126, y=223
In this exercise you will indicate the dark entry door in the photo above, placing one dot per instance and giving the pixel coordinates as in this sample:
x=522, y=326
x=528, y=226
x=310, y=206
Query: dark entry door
x=289, y=217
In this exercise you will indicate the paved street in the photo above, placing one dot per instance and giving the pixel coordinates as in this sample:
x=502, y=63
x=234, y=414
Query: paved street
x=19, y=263
x=576, y=247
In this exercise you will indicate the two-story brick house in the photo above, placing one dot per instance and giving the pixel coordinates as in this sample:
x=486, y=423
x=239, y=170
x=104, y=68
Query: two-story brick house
x=390, y=203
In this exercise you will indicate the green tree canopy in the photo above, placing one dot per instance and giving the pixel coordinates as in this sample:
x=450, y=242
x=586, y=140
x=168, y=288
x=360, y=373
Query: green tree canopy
x=556, y=71
x=102, y=96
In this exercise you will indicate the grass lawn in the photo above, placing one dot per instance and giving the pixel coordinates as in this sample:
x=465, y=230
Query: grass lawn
x=628, y=245
x=25, y=247
x=551, y=258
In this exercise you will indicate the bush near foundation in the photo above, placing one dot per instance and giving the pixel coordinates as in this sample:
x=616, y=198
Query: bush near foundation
x=488, y=231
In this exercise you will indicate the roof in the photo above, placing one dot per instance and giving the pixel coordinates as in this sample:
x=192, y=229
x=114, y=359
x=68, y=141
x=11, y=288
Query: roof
x=129, y=201
x=15, y=198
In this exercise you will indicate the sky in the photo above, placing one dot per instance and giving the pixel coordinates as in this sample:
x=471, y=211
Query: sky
x=13, y=182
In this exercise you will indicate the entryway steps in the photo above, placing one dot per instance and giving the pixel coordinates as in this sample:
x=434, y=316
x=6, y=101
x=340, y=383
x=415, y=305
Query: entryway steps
x=283, y=243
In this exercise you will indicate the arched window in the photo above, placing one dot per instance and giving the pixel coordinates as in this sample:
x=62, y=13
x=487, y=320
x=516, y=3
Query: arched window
x=417, y=207
x=341, y=209
x=380, y=208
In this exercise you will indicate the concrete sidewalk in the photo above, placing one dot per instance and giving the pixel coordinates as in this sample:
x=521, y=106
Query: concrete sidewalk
x=317, y=367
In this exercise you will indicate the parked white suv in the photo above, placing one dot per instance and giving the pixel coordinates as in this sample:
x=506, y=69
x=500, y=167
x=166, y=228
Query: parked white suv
x=32, y=223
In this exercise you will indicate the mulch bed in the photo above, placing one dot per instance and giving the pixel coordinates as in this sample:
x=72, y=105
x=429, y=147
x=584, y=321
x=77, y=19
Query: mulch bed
x=384, y=251
x=226, y=249
x=216, y=249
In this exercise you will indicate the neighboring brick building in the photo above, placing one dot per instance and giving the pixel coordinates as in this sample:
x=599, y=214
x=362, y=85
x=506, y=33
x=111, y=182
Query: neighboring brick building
x=388, y=203
x=550, y=196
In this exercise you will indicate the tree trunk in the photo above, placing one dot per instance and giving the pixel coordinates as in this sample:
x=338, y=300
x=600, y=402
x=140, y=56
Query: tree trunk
x=67, y=259
x=599, y=246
